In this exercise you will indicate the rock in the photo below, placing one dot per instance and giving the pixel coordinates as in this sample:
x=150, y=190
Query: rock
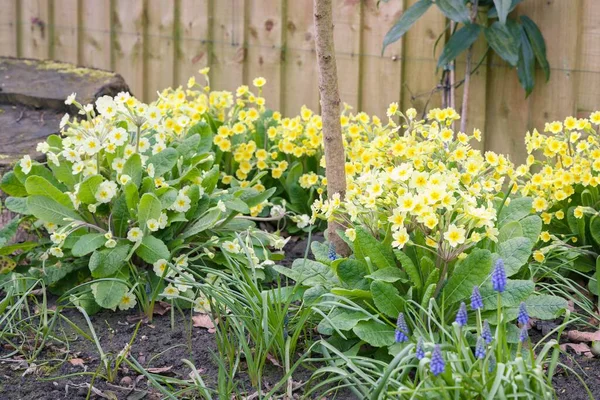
x=32, y=100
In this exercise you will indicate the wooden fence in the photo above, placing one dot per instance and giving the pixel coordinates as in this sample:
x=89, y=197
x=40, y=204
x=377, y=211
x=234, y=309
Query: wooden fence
x=160, y=43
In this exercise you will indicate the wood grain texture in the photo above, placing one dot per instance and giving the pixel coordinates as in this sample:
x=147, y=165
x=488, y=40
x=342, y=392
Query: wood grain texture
x=159, y=47
x=380, y=75
x=264, y=47
x=588, y=91
x=33, y=28
x=65, y=45
x=95, y=31
x=128, y=45
x=8, y=28
x=193, y=45
x=229, y=44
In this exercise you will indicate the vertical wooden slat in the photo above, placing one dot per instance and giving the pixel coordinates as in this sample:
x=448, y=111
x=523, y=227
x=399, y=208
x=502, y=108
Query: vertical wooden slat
x=8, y=28
x=128, y=21
x=264, y=47
x=66, y=31
x=34, y=29
x=380, y=75
x=229, y=39
x=301, y=80
x=346, y=33
x=419, y=78
x=588, y=94
x=95, y=32
x=559, y=22
x=194, y=46
x=159, y=45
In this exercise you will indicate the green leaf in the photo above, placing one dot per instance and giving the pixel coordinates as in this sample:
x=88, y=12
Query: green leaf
x=544, y=306
x=390, y=275
x=167, y=196
x=352, y=293
x=408, y=18
x=577, y=225
x=9, y=230
x=313, y=273
x=375, y=333
x=237, y=205
x=387, y=299
x=511, y=230
x=352, y=274
x=208, y=221
x=253, y=197
x=503, y=7
x=366, y=245
x=188, y=147
x=36, y=185
x=504, y=41
x=515, y=292
x=17, y=205
x=532, y=228
x=459, y=42
x=518, y=209
x=49, y=210
x=206, y=135
x=595, y=228
x=120, y=216
x=537, y=43
x=321, y=252
x=24, y=247
x=104, y=263
x=515, y=252
x=87, y=244
x=210, y=179
x=149, y=208
x=342, y=319
x=64, y=173
x=163, y=161
x=12, y=186
x=410, y=268
x=88, y=188
x=133, y=168
x=132, y=197
x=456, y=10
x=526, y=65
x=152, y=249
x=471, y=271
x=108, y=293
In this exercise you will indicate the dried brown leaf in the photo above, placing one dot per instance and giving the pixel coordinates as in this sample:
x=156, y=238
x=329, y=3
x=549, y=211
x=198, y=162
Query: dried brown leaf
x=578, y=336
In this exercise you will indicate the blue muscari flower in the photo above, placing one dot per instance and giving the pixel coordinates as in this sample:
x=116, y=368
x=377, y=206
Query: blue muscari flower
x=476, y=300
x=437, y=364
x=331, y=253
x=523, y=317
x=499, y=276
x=401, y=329
x=492, y=363
x=461, y=315
x=480, y=349
x=524, y=335
x=420, y=352
x=486, y=333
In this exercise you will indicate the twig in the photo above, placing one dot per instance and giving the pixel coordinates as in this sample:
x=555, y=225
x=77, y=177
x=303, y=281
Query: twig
x=20, y=116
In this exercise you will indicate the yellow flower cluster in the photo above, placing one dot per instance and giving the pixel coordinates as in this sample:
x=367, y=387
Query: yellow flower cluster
x=566, y=156
x=419, y=175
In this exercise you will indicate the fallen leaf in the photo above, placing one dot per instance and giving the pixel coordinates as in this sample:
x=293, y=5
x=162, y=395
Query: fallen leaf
x=578, y=336
x=273, y=360
x=161, y=308
x=203, y=321
x=78, y=362
x=578, y=348
x=159, y=370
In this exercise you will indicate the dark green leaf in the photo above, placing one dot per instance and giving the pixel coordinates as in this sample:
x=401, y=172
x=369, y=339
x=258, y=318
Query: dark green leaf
x=163, y=161
x=537, y=43
x=456, y=10
x=36, y=185
x=352, y=274
x=410, y=268
x=526, y=65
x=387, y=299
x=49, y=210
x=152, y=249
x=471, y=271
x=366, y=245
x=504, y=39
x=407, y=20
x=104, y=263
x=133, y=168
x=459, y=42
x=87, y=244
x=12, y=186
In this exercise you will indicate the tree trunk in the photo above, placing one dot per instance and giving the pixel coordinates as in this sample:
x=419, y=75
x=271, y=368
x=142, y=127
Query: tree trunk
x=335, y=158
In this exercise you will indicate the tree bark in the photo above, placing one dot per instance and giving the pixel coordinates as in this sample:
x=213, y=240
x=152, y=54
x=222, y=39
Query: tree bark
x=335, y=159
